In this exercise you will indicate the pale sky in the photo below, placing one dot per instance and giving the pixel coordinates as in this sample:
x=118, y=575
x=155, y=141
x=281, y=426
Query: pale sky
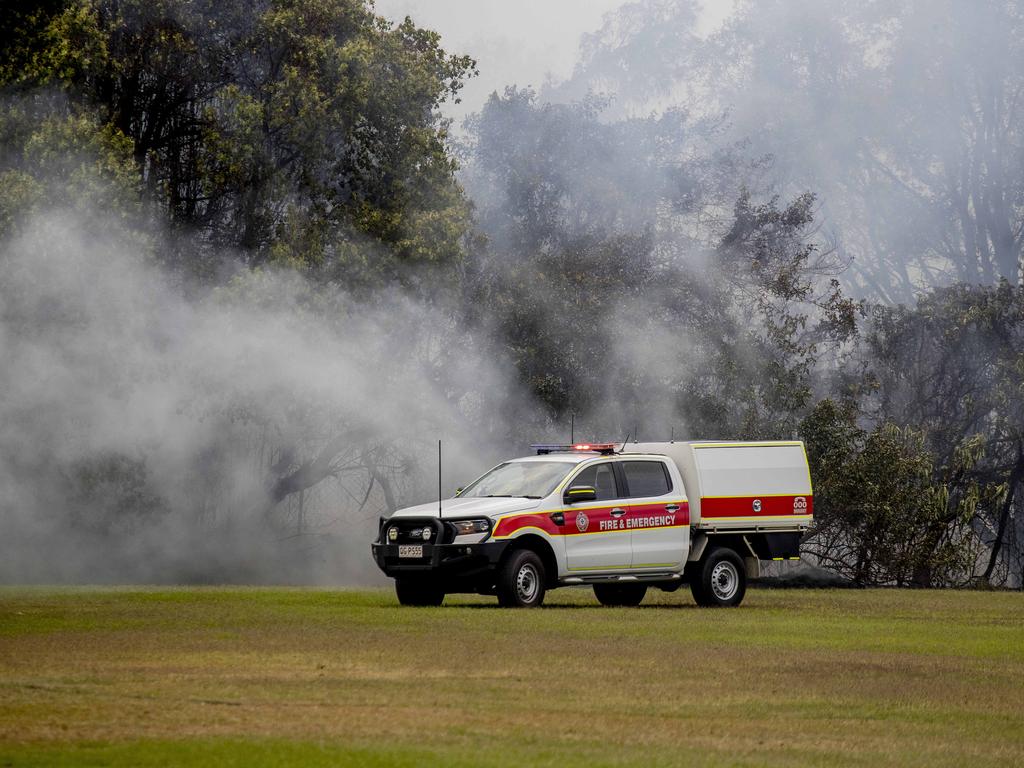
x=515, y=41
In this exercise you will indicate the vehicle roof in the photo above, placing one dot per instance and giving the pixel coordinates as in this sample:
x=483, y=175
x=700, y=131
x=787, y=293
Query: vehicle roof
x=578, y=457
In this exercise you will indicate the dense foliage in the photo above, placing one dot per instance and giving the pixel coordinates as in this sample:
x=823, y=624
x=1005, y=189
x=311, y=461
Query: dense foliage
x=291, y=131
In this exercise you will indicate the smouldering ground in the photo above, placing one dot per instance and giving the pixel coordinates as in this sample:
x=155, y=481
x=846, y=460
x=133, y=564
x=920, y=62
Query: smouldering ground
x=242, y=677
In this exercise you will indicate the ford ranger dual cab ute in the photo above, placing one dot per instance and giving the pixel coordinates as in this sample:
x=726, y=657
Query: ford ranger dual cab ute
x=621, y=519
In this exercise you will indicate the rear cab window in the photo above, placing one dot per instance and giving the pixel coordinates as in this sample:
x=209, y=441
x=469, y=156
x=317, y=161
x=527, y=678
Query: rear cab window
x=645, y=478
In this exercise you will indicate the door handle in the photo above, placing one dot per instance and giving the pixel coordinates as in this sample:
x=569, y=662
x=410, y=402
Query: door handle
x=671, y=507
x=618, y=512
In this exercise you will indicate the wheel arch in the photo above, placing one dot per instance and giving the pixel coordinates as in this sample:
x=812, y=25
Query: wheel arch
x=739, y=544
x=542, y=548
x=733, y=541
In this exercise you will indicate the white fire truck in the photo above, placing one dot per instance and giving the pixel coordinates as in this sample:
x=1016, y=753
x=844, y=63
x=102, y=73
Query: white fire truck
x=621, y=518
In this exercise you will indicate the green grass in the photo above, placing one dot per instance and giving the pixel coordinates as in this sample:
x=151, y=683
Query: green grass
x=279, y=677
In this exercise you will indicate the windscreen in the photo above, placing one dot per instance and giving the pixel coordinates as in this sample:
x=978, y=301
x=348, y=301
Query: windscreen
x=529, y=479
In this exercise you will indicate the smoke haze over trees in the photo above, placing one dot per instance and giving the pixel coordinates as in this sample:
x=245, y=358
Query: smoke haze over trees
x=249, y=276
x=904, y=117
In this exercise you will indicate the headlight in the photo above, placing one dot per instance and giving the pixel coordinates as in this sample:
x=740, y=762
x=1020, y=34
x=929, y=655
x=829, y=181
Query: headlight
x=462, y=527
x=392, y=534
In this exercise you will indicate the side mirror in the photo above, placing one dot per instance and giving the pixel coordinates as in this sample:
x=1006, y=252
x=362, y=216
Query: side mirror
x=458, y=491
x=580, y=493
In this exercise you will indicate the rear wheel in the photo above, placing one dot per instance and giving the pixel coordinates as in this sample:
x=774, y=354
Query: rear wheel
x=418, y=593
x=520, y=581
x=620, y=594
x=720, y=580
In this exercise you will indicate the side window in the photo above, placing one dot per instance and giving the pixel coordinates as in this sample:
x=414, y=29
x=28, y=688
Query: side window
x=601, y=477
x=646, y=478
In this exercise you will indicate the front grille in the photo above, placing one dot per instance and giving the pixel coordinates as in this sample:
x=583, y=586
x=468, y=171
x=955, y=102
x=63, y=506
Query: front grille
x=410, y=531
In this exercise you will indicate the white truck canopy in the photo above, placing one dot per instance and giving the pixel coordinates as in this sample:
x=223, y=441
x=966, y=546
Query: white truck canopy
x=741, y=485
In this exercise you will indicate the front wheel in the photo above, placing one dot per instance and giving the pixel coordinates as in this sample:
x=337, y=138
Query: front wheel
x=418, y=593
x=520, y=581
x=620, y=594
x=720, y=581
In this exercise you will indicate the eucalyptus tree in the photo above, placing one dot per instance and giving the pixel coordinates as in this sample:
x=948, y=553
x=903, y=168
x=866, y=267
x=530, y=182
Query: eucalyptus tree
x=291, y=130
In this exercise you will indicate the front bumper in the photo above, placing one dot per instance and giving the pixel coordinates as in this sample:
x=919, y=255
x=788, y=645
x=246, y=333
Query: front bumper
x=468, y=567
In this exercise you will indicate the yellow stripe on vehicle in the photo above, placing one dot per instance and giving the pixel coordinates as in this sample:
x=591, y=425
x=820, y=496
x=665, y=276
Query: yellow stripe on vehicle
x=760, y=496
x=765, y=518
x=764, y=444
x=517, y=531
x=807, y=466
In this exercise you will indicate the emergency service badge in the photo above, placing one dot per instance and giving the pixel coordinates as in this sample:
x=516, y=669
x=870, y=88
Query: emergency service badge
x=799, y=505
x=582, y=522
x=757, y=505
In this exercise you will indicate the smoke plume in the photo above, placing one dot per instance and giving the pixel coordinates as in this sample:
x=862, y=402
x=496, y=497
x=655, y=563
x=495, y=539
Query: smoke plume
x=254, y=433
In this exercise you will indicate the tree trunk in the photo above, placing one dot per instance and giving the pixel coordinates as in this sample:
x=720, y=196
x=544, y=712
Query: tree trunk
x=310, y=472
x=1004, y=514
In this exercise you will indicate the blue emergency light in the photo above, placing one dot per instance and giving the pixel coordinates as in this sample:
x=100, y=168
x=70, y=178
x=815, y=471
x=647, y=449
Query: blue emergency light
x=605, y=449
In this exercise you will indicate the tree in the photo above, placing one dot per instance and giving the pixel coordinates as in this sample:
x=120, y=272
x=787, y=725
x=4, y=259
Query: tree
x=566, y=204
x=293, y=130
x=622, y=297
x=56, y=157
x=903, y=116
x=952, y=367
x=783, y=314
x=885, y=513
x=303, y=137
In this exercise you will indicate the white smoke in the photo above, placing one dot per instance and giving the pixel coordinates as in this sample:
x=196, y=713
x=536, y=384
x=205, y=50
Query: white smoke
x=145, y=434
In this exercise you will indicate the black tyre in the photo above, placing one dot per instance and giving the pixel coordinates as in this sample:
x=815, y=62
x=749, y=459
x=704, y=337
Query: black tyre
x=720, y=579
x=418, y=593
x=521, y=580
x=692, y=575
x=620, y=594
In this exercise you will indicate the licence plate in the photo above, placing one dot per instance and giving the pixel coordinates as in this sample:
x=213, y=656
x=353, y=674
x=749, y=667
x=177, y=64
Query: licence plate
x=410, y=550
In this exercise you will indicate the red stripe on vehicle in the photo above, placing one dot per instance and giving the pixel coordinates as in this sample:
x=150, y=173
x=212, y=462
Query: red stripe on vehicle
x=657, y=509
x=578, y=521
x=510, y=525
x=746, y=506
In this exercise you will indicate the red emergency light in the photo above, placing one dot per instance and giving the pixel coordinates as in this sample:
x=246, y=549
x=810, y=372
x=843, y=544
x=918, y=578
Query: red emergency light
x=601, y=448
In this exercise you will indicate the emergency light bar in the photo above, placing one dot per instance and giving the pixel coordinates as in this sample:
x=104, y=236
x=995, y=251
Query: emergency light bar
x=604, y=449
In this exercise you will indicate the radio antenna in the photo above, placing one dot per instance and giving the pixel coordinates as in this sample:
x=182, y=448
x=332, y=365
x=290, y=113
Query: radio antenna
x=572, y=428
x=438, y=479
x=672, y=435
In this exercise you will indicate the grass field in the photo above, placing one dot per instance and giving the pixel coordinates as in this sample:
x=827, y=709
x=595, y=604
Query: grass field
x=280, y=677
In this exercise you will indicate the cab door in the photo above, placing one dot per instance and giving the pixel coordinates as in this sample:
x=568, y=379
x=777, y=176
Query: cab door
x=596, y=535
x=658, y=514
